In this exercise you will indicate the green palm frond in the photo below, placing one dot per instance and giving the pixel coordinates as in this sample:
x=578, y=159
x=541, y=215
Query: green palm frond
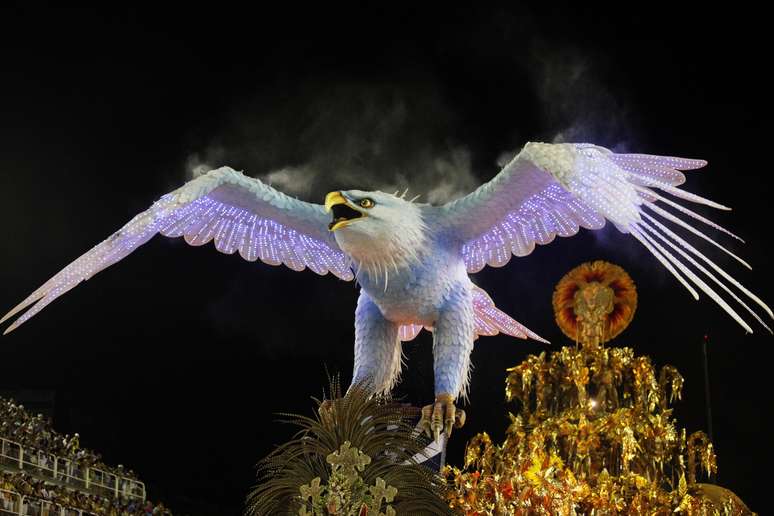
x=377, y=427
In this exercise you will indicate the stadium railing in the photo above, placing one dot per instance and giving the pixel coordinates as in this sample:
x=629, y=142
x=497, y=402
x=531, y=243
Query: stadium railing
x=67, y=471
x=16, y=504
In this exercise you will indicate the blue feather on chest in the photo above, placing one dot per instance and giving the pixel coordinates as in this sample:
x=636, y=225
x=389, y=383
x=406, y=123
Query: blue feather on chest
x=416, y=292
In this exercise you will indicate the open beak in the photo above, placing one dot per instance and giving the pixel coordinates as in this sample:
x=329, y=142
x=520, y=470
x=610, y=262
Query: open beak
x=343, y=213
x=332, y=199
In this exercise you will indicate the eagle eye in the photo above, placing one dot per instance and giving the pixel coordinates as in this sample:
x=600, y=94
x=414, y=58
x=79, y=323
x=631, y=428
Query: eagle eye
x=367, y=203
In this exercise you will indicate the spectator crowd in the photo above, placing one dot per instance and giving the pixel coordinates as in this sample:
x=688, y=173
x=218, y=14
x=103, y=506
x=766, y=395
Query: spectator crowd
x=40, y=498
x=36, y=433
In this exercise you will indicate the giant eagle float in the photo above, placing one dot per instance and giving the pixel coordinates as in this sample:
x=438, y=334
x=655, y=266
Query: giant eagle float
x=412, y=260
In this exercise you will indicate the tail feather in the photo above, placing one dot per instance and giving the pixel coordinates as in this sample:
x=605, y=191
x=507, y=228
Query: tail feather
x=489, y=321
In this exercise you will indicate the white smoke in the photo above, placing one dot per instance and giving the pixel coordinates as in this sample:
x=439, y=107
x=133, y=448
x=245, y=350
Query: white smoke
x=576, y=102
x=360, y=136
x=376, y=136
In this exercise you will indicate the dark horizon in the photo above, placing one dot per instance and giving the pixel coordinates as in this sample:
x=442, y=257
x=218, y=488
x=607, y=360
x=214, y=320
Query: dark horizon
x=175, y=361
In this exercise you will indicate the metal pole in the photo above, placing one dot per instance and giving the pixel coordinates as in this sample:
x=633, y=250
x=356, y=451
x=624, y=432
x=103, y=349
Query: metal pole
x=707, y=399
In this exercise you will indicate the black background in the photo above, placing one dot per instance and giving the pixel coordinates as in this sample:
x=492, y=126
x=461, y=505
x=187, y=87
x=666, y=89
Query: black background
x=175, y=361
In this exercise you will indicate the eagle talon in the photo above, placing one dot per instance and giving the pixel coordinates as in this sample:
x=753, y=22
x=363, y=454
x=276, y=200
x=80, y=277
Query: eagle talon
x=441, y=416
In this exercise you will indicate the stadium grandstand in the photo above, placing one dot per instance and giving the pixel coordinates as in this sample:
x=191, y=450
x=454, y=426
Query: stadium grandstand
x=44, y=473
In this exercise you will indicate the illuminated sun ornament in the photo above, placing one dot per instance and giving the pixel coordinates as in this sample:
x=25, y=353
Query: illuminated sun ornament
x=412, y=260
x=595, y=302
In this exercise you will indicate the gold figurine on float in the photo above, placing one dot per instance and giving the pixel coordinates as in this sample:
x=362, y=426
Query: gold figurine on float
x=594, y=302
x=594, y=433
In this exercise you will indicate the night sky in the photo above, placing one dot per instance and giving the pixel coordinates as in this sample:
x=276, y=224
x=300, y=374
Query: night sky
x=175, y=361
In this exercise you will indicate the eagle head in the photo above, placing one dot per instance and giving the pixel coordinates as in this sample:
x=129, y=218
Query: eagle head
x=375, y=227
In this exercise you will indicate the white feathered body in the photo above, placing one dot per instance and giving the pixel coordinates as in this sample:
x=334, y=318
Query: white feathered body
x=411, y=274
x=409, y=269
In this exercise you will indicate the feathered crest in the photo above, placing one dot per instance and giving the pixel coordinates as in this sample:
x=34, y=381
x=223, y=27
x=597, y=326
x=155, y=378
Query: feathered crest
x=403, y=195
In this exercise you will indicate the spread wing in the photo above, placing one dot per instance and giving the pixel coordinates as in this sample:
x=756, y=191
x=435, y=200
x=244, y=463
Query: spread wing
x=555, y=189
x=238, y=212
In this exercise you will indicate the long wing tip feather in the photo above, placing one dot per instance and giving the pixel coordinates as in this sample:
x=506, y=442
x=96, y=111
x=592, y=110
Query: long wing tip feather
x=697, y=163
x=30, y=300
x=11, y=327
x=714, y=204
x=27, y=303
x=680, y=246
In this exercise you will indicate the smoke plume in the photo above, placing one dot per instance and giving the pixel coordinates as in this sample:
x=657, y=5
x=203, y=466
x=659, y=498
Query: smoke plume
x=355, y=135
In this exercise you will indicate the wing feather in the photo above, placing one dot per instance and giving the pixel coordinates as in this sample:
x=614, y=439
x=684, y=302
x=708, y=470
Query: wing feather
x=550, y=190
x=238, y=213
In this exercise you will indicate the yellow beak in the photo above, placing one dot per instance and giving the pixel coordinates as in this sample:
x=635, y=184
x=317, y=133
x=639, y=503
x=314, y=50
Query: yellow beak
x=332, y=199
